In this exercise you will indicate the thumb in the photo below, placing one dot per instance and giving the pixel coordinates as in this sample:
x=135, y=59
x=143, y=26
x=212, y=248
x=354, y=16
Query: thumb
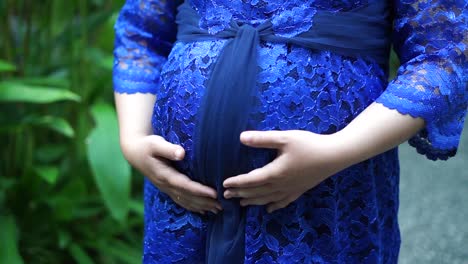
x=273, y=139
x=161, y=148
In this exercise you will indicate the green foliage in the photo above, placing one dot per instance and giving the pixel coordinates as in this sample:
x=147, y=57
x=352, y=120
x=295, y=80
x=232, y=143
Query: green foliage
x=18, y=92
x=65, y=188
x=5, y=66
x=111, y=172
x=8, y=243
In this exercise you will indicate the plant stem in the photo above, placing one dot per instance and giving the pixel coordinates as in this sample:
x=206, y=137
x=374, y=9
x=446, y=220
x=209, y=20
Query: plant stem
x=6, y=28
x=27, y=35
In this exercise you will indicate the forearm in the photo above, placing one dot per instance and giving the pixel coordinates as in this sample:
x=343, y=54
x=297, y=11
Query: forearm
x=374, y=131
x=134, y=114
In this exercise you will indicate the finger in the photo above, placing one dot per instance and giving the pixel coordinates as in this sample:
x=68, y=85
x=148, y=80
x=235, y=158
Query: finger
x=249, y=192
x=265, y=139
x=183, y=202
x=195, y=209
x=277, y=205
x=202, y=202
x=186, y=204
x=185, y=184
x=255, y=178
x=199, y=203
x=205, y=203
x=161, y=148
x=262, y=200
x=162, y=173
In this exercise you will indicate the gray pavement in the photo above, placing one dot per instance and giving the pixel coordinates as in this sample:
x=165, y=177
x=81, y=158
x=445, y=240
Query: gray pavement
x=434, y=207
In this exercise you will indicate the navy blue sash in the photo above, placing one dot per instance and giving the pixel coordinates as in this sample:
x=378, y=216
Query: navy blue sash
x=229, y=94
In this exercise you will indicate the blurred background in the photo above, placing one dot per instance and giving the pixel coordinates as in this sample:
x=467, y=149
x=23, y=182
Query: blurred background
x=66, y=193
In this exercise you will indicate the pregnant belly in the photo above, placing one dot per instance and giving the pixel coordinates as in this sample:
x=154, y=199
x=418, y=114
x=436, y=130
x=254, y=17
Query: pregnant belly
x=297, y=89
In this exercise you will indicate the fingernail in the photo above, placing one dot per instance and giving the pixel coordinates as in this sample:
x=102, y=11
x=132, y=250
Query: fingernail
x=227, y=194
x=178, y=154
x=214, y=211
x=246, y=136
x=219, y=207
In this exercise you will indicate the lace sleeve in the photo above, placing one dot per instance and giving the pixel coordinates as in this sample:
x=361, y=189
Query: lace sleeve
x=145, y=32
x=430, y=38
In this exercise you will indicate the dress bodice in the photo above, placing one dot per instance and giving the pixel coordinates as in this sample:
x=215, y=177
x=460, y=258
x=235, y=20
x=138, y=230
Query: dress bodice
x=429, y=38
x=289, y=17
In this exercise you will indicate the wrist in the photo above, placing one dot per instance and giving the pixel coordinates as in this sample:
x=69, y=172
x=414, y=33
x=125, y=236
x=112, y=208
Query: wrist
x=349, y=150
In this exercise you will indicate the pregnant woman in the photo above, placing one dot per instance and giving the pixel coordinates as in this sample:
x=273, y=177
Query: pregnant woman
x=267, y=129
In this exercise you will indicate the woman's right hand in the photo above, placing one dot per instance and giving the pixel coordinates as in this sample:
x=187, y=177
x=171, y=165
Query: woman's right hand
x=151, y=154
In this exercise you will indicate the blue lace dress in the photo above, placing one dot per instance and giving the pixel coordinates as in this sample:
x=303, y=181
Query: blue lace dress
x=352, y=216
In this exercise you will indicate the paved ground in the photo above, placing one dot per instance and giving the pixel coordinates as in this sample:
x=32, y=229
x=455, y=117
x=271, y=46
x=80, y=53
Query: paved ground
x=434, y=207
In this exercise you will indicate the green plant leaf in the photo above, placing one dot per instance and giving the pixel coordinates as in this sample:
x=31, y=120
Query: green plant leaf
x=47, y=173
x=50, y=152
x=107, y=62
x=86, y=212
x=80, y=256
x=119, y=250
x=9, y=241
x=67, y=201
x=137, y=207
x=100, y=58
x=57, y=124
x=64, y=239
x=48, y=81
x=5, y=184
x=6, y=66
x=21, y=92
x=110, y=169
x=73, y=31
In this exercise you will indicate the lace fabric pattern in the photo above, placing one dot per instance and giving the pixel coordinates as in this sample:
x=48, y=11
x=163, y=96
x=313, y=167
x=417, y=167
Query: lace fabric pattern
x=352, y=216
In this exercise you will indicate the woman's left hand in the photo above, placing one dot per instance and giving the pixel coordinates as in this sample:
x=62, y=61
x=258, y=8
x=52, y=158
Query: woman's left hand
x=304, y=160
